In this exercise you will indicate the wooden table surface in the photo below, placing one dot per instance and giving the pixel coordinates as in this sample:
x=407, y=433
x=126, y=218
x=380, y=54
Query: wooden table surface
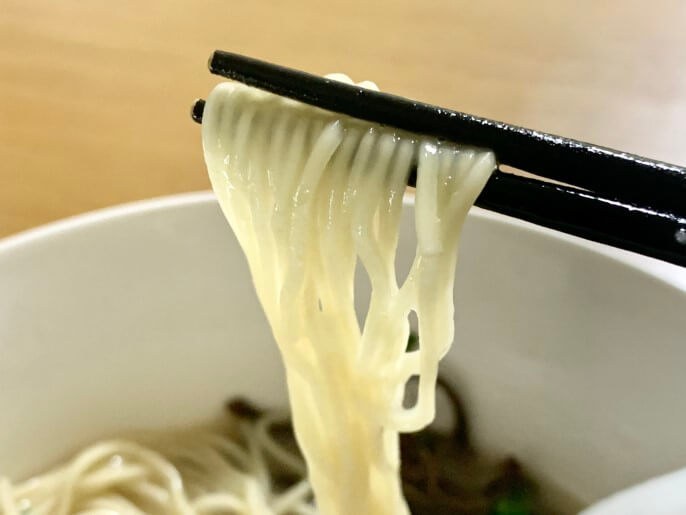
x=94, y=95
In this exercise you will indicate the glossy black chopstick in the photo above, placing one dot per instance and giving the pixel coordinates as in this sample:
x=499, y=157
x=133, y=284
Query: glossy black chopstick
x=641, y=221
x=605, y=171
x=581, y=213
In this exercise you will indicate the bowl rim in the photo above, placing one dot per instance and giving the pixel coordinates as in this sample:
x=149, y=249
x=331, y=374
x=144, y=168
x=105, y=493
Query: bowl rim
x=667, y=273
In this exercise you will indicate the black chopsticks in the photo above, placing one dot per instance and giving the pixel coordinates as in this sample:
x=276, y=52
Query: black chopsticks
x=616, y=198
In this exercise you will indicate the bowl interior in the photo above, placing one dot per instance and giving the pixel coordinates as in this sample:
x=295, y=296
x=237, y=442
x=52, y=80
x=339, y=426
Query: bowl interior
x=569, y=355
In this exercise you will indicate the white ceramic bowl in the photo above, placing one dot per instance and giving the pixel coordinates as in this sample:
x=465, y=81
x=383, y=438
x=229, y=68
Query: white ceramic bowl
x=570, y=355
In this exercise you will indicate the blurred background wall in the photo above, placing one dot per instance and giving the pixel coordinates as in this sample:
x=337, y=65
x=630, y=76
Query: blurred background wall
x=95, y=95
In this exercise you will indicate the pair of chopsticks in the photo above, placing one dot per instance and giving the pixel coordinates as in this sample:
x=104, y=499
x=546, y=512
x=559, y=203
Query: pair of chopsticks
x=613, y=197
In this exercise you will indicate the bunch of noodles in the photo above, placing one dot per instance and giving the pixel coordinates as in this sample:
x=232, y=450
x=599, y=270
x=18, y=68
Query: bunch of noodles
x=236, y=466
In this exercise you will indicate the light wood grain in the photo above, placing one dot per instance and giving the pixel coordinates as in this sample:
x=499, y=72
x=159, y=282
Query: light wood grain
x=94, y=95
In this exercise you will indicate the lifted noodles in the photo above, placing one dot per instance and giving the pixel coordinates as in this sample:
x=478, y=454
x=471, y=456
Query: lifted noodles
x=307, y=193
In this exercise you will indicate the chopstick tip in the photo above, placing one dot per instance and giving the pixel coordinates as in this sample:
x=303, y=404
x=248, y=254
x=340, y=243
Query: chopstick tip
x=197, y=110
x=214, y=62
